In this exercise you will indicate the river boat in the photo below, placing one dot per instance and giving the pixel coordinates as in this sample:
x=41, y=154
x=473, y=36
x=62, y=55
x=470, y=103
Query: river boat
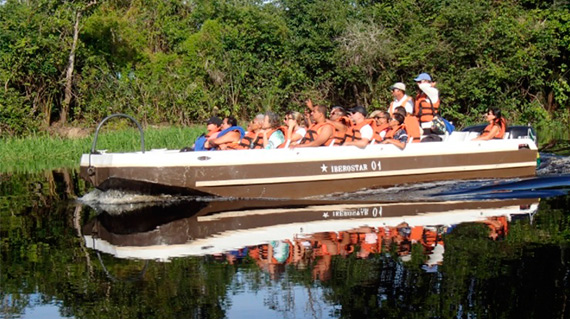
x=198, y=228
x=307, y=172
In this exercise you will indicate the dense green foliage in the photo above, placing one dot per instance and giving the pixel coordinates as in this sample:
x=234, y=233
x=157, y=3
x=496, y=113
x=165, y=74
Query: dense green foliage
x=178, y=61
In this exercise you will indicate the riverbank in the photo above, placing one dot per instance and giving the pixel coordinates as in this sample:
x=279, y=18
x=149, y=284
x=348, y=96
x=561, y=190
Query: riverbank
x=63, y=149
x=46, y=152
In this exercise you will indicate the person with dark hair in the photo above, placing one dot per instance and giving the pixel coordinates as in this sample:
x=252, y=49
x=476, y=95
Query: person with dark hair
x=272, y=133
x=496, y=128
x=380, y=125
x=213, y=125
x=397, y=135
x=412, y=125
x=361, y=132
x=341, y=122
x=320, y=133
x=230, y=135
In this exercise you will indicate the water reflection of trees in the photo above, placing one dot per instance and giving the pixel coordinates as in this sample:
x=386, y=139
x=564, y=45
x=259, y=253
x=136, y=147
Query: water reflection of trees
x=523, y=272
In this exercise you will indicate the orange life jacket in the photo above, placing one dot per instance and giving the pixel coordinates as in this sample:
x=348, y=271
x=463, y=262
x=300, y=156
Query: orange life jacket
x=403, y=104
x=413, y=128
x=251, y=140
x=338, y=135
x=377, y=138
x=314, y=131
x=424, y=109
x=390, y=133
x=503, y=128
x=353, y=133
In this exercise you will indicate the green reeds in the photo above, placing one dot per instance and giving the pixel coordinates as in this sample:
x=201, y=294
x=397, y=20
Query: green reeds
x=43, y=152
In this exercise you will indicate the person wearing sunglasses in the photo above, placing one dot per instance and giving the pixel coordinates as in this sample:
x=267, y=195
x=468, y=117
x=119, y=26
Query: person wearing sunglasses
x=397, y=135
x=400, y=99
x=412, y=125
x=380, y=125
x=295, y=123
x=341, y=122
x=496, y=128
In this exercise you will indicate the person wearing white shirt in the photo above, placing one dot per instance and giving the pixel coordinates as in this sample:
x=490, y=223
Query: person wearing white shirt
x=361, y=132
x=400, y=99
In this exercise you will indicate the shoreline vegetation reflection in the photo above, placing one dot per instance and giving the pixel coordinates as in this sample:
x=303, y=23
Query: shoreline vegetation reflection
x=195, y=257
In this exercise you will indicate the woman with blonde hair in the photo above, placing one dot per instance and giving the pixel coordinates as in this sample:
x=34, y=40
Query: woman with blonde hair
x=296, y=129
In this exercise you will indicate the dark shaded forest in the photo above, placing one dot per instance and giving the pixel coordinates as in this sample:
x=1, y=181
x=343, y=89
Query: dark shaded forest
x=71, y=63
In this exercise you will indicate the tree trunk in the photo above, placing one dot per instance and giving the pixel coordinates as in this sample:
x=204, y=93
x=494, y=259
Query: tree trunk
x=69, y=72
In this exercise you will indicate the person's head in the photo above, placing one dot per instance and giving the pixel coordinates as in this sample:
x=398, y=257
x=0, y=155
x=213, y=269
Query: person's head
x=380, y=117
x=397, y=119
x=256, y=123
x=229, y=122
x=357, y=113
x=494, y=115
x=271, y=120
x=423, y=78
x=401, y=110
x=398, y=90
x=337, y=112
x=214, y=123
x=295, y=116
x=319, y=113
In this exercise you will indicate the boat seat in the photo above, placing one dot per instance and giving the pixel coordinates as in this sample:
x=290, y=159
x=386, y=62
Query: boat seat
x=457, y=136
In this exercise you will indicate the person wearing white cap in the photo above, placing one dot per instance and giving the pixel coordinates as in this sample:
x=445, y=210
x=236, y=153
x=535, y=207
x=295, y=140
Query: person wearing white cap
x=400, y=98
x=427, y=101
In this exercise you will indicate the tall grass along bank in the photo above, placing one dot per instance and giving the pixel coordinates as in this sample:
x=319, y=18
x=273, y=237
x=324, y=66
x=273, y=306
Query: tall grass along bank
x=43, y=152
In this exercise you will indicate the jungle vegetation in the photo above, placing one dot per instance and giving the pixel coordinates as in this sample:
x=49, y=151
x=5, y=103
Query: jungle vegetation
x=71, y=63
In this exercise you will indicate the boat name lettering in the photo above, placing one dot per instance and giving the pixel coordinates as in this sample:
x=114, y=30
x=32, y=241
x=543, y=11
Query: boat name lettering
x=351, y=213
x=349, y=168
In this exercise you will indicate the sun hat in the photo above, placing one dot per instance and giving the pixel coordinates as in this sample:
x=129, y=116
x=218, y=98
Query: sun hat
x=398, y=85
x=423, y=76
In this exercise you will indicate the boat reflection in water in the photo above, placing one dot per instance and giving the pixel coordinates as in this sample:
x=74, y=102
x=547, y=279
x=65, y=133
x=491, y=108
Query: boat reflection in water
x=301, y=233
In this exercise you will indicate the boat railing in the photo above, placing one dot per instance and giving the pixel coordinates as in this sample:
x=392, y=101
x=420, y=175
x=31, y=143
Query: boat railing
x=94, y=146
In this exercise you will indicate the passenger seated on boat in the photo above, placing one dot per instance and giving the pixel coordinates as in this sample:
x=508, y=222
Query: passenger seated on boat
x=412, y=125
x=253, y=138
x=496, y=128
x=380, y=125
x=272, y=132
x=229, y=137
x=397, y=135
x=296, y=128
x=213, y=126
x=341, y=122
x=361, y=132
x=320, y=133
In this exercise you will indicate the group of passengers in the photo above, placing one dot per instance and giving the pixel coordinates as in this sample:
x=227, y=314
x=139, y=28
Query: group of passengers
x=406, y=120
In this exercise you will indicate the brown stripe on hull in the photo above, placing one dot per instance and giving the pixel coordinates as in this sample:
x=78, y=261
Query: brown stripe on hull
x=278, y=180
x=307, y=189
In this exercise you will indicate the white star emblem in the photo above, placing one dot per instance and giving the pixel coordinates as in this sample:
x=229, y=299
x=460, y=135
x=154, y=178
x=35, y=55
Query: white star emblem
x=324, y=168
x=325, y=215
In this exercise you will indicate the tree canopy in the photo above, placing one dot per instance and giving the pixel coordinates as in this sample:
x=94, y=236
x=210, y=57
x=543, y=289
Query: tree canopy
x=179, y=61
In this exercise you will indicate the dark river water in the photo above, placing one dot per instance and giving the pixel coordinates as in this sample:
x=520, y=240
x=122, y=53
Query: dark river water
x=460, y=249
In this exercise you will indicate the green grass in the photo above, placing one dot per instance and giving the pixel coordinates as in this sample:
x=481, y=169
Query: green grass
x=44, y=152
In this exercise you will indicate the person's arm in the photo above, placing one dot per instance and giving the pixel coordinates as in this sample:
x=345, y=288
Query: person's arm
x=227, y=138
x=324, y=135
x=396, y=142
x=494, y=131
